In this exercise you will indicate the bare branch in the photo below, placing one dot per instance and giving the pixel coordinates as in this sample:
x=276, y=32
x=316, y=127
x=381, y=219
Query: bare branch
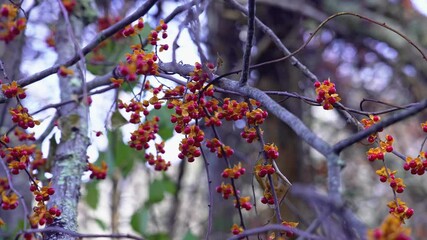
x=249, y=41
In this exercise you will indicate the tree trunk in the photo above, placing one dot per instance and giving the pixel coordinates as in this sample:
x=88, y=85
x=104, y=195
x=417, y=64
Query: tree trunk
x=70, y=158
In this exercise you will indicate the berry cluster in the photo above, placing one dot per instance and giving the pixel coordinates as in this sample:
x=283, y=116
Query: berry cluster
x=41, y=215
x=391, y=228
x=215, y=145
x=399, y=209
x=234, y=172
x=98, y=172
x=256, y=117
x=22, y=118
x=326, y=94
x=13, y=90
x=4, y=185
x=262, y=170
x=267, y=197
x=10, y=25
x=417, y=165
x=225, y=189
x=289, y=224
x=153, y=36
x=244, y=202
x=236, y=229
x=271, y=151
x=42, y=194
x=146, y=132
x=395, y=183
x=137, y=63
x=132, y=30
x=5, y=140
x=379, y=152
x=17, y=157
x=368, y=122
x=249, y=134
x=158, y=162
x=136, y=108
x=189, y=146
x=24, y=136
x=9, y=201
x=233, y=110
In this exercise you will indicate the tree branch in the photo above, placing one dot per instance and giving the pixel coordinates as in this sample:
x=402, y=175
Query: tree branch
x=249, y=40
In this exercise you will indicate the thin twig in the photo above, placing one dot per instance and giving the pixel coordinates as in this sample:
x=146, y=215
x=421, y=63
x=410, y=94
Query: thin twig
x=76, y=234
x=274, y=227
x=205, y=159
x=341, y=145
x=249, y=41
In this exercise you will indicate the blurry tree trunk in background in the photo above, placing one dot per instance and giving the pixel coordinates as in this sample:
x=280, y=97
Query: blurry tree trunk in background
x=11, y=57
x=70, y=157
x=223, y=40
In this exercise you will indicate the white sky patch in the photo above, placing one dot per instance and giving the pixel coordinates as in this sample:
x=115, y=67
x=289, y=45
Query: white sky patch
x=421, y=6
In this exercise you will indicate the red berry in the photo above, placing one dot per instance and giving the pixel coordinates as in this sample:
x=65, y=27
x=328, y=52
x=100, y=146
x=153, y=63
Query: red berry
x=39, y=198
x=389, y=148
x=406, y=166
x=157, y=105
x=50, y=191
x=316, y=84
x=52, y=210
x=409, y=212
x=42, y=221
x=5, y=206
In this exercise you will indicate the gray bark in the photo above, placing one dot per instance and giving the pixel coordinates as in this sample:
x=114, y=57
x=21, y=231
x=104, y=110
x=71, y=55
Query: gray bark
x=70, y=158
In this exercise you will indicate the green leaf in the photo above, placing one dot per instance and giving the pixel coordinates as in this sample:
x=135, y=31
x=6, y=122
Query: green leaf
x=190, y=236
x=119, y=155
x=139, y=220
x=156, y=192
x=158, y=236
x=166, y=128
x=92, y=194
x=117, y=120
x=158, y=188
x=168, y=184
x=101, y=224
